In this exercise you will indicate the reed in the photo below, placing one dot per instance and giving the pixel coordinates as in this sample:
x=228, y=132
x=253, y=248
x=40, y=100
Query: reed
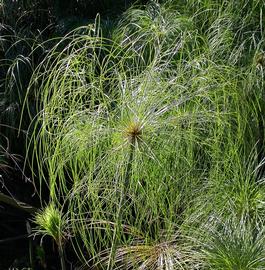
x=149, y=137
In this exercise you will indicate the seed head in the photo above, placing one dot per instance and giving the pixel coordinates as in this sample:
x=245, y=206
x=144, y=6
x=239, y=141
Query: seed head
x=260, y=60
x=133, y=132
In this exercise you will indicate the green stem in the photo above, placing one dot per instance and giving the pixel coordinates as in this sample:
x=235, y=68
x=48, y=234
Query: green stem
x=129, y=169
x=61, y=254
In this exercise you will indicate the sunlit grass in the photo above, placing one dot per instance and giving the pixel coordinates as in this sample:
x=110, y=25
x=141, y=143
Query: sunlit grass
x=154, y=131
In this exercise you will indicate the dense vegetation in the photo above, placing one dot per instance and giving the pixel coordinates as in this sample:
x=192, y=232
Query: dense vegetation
x=142, y=130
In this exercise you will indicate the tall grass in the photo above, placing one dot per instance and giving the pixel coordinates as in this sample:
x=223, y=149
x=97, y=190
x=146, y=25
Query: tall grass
x=149, y=140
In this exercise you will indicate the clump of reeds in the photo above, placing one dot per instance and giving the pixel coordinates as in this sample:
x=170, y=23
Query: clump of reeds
x=152, y=132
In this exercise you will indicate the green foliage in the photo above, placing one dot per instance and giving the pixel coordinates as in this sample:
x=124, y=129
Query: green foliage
x=51, y=221
x=236, y=246
x=148, y=137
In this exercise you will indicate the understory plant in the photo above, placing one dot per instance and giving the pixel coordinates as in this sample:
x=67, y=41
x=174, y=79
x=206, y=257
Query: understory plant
x=149, y=141
x=52, y=222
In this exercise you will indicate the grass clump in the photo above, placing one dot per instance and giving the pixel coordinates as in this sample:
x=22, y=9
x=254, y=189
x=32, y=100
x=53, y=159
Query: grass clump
x=52, y=222
x=150, y=132
x=236, y=246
